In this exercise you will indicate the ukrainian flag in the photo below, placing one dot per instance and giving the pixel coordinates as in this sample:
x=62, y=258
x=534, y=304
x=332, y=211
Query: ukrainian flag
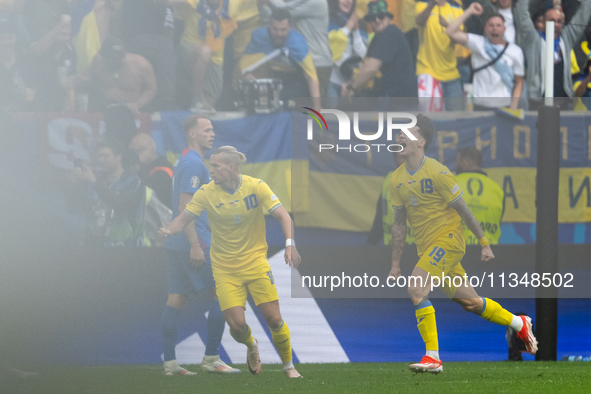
x=260, y=45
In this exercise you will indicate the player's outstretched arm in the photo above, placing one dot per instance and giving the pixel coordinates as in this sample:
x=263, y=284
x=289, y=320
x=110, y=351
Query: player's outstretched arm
x=473, y=225
x=292, y=257
x=398, y=240
x=177, y=225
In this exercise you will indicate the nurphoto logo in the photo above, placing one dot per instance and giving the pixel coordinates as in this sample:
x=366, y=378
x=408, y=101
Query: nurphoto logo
x=344, y=133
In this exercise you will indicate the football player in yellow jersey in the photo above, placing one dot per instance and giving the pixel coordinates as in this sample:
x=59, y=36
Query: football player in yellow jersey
x=427, y=193
x=234, y=205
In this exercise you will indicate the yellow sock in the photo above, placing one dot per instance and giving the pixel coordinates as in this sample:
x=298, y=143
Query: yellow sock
x=495, y=313
x=282, y=341
x=427, y=325
x=244, y=337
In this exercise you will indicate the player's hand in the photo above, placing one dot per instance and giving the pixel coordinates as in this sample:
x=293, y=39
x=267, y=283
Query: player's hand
x=486, y=253
x=442, y=21
x=163, y=232
x=394, y=273
x=197, y=255
x=292, y=257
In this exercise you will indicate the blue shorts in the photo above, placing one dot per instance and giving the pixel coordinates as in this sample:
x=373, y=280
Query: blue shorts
x=183, y=277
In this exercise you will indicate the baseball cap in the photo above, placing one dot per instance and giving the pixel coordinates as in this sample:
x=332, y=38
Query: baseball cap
x=377, y=9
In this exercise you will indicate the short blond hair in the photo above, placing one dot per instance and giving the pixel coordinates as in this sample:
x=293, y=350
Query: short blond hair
x=233, y=155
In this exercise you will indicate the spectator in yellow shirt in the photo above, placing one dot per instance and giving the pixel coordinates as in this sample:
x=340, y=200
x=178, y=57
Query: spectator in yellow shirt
x=437, y=70
x=207, y=24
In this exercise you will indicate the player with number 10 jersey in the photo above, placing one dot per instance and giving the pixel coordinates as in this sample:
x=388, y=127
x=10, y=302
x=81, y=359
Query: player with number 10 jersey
x=237, y=224
x=234, y=204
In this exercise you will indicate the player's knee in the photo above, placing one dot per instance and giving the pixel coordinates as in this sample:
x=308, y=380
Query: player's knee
x=238, y=332
x=274, y=322
x=236, y=327
x=470, y=306
x=177, y=301
x=414, y=292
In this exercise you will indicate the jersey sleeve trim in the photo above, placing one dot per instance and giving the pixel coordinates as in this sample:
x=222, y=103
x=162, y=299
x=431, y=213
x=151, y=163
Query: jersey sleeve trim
x=397, y=207
x=456, y=199
x=190, y=213
x=274, y=207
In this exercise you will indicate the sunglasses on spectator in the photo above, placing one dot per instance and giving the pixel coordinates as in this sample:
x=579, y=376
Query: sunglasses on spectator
x=379, y=16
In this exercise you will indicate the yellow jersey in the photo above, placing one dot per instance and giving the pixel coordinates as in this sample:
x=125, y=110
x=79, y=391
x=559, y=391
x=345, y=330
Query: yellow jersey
x=188, y=14
x=426, y=194
x=237, y=221
x=437, y=54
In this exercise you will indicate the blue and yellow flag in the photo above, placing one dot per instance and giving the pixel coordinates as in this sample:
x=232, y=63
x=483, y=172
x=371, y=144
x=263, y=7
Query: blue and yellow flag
x=295, y=47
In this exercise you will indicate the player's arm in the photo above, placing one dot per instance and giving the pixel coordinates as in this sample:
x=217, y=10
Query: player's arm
x=473, y=225
x=398, y=240
x=197, y=255
x=177, y=225
x=292, y=257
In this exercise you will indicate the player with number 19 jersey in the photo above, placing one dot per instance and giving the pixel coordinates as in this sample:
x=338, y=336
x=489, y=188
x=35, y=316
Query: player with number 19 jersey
x=426, y=194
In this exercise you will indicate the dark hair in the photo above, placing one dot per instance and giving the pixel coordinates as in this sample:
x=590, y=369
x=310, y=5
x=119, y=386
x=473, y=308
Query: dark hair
x=115, y=145
x=471, y=154
x=334, y=11
x=119, y=123
x=493, y=15
x=426, y=129
x=191, y=122
x=280, y=14
x=536, y=10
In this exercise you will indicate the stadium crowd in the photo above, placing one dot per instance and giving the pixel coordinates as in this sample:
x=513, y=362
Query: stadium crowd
x=157, y=55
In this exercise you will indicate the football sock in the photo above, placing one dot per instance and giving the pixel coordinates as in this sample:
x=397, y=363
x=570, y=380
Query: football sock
x=427, y=326
x=244, y=337
x=215, y=329
x=282, y=341
x=170, y=324
x=287, y=365
x=494, y=313
x=516, y=324
x=433, y=354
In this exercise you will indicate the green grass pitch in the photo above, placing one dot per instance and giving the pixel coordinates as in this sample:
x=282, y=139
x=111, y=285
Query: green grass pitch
x=464, y=377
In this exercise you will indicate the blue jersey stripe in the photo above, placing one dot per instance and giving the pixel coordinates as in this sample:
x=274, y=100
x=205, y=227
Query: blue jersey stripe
x=274, y=207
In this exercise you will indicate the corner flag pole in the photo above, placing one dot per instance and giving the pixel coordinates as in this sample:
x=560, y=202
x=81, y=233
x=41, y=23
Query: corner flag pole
x=548, y=169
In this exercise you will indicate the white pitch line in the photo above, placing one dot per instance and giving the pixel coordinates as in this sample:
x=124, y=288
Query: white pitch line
x=312, y=338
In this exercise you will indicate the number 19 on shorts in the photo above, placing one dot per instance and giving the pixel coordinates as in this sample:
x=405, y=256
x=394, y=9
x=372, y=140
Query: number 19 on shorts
x=437, y=254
